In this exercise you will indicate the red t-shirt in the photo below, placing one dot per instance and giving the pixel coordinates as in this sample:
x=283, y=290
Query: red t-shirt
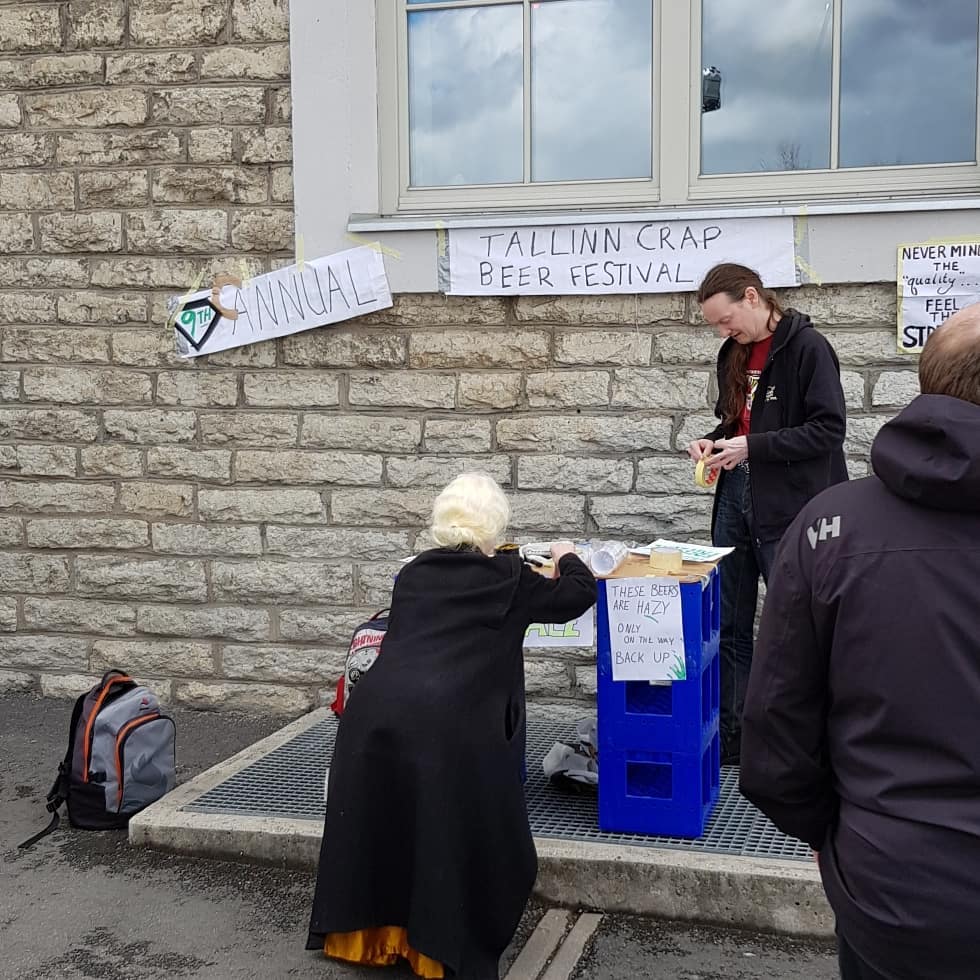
x=757, y=361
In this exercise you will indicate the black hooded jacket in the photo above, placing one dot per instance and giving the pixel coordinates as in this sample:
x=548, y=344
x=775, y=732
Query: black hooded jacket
x=796, y=430
x=861, y=733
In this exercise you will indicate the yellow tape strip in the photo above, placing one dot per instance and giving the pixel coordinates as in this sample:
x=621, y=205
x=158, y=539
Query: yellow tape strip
x=703, y=476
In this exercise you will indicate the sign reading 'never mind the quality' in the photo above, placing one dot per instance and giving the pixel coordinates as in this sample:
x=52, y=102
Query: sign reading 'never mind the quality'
x=935, y=280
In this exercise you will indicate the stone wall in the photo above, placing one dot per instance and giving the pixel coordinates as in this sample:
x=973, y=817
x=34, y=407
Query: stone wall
x=220, y=526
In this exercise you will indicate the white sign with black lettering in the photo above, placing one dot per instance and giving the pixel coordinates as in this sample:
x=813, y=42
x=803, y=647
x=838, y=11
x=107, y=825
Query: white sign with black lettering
x=646, y=629
x=299, y=297
x=633, y=257
x=935, y=280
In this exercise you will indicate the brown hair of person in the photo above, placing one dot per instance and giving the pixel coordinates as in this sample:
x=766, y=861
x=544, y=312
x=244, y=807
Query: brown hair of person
x=950, y=361
x=733, y=280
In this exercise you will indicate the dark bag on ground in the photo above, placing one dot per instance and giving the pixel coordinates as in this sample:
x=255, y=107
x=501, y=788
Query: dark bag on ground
x=365, y=645
x=573, y=763
x=120, y=759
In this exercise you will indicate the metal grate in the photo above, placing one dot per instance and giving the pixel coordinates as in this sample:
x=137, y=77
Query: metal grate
x=288, y=782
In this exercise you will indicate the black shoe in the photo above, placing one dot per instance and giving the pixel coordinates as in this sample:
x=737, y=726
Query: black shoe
x=730, y=759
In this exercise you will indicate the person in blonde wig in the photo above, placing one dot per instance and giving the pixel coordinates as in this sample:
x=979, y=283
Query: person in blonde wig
x=427, y=852
x=472, y=512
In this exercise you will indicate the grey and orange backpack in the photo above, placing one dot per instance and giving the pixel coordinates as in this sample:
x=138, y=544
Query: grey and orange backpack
x=120, y=759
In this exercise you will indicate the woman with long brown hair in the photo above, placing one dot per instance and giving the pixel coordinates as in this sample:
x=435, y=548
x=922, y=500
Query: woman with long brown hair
x=779, y=443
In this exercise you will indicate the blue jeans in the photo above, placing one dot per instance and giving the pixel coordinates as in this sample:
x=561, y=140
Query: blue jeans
x=734, y=527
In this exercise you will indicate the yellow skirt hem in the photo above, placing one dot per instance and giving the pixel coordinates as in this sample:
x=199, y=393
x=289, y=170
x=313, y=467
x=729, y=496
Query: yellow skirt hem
x=381, y=946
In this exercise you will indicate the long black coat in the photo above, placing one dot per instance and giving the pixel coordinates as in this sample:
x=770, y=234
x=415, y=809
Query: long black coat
x=426, y=823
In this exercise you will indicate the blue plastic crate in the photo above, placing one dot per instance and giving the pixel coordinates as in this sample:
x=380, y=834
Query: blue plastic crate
x=670, y=794
x=681, y=716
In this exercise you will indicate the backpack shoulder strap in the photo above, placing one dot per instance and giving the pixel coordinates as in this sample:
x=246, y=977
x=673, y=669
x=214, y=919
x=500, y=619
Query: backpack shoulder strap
x=110, y=679
x=50, y=829
x=59, y=788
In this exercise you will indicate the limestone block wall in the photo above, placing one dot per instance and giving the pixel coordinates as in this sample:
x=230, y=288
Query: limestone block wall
x=220, y=526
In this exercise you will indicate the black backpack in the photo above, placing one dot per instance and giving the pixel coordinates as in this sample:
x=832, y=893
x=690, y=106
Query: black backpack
x=120, y=758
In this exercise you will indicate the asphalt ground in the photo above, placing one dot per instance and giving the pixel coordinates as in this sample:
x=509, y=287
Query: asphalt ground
x=85, y=905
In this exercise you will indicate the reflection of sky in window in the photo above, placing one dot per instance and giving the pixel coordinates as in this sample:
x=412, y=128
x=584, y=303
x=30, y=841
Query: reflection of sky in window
x=465, y=90
x=775, y=62
x=590, y=92
x=908, y=82
x=590, y=89
x=908, y=87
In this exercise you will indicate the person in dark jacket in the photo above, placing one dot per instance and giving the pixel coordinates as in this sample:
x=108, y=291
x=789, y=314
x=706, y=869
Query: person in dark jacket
x=779, y=442
x=427, y=852
x=861, y=733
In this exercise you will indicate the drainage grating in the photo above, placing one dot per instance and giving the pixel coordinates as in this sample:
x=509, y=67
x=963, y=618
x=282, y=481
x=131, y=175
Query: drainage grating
x=288, y=782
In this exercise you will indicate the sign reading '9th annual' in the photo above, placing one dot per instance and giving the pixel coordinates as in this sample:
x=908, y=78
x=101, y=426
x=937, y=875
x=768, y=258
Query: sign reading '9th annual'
x=633, y=257
x=299, y=297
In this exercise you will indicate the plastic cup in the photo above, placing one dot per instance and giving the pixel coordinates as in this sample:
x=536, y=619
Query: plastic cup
x=607, y=557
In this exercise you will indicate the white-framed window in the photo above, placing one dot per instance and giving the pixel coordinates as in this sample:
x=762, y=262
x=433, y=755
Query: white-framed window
x=537, y=104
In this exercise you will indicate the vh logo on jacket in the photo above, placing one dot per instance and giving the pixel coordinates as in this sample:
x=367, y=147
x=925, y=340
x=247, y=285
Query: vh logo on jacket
x=826, y=527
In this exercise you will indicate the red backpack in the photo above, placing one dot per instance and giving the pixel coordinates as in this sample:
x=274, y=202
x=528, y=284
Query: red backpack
x=365, y=645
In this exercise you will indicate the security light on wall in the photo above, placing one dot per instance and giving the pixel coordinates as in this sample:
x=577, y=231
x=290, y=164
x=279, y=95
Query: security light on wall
x=710, y=89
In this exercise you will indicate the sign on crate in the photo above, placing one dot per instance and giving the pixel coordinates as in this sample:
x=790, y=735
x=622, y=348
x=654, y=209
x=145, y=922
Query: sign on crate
x=646, y=629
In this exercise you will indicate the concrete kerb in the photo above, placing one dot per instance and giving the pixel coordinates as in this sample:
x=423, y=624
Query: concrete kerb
x=731, y=890
x=166, y=826
x=753, y=893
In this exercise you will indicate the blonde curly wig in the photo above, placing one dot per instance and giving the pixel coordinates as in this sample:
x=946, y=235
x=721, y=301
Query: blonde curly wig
x=472, y=512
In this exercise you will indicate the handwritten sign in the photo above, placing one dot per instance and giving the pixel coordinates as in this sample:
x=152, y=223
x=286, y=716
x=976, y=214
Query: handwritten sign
x=299, y=297
x=635, y=257
x=578, y=633
x=646, y=629
x=689, y=552
x=935, y=280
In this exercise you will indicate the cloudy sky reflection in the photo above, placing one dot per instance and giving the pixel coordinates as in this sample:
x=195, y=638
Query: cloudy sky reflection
x=591, y=64
x=775, y=62
x=908, y=82
x=908, y=87
x=465, y=85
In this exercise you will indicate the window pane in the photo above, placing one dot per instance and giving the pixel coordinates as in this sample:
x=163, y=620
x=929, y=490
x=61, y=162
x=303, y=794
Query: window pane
x=465, y=96
x=775, y=61
x=908, y=82
x=591, y=64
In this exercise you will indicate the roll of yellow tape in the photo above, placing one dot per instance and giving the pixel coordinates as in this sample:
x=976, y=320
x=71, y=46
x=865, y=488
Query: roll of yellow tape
x=703, y=475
